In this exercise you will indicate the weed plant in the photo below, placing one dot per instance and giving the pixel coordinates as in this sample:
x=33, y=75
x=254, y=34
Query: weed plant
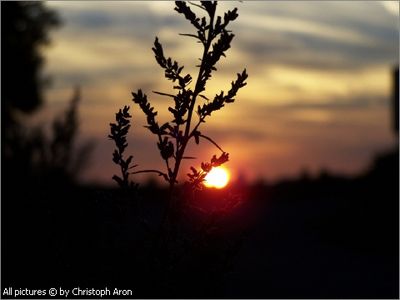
x=190, y=108
x=174, y=136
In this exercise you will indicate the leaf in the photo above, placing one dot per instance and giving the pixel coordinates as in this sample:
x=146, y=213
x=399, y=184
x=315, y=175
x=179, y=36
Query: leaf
x=229, y=16
x=164, y=127
x=190, y=35
x=204, y=97
x=129, y=160
x=182, y=8
x=196, y=135
x=163, y=94
x=159, y=53
x=118, y=180
x=116, y=157
x=210, y=6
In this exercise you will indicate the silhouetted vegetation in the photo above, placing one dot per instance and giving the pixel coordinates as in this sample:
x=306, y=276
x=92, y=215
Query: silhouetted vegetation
x=118, y=133
x=28, y=152
x=45, y=159
x=24, y=30
x=317, y=237
x=175, y=241
x=325, y=236
x=35, y=163
x=174, y=136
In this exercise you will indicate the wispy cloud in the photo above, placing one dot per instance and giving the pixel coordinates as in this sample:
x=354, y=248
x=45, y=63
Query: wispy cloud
x=319, y=78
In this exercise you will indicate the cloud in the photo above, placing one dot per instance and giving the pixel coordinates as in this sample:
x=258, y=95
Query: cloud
x=348, y=103
x=392, y=7
x=116, y=18
x=351, y=35
x=318, y=88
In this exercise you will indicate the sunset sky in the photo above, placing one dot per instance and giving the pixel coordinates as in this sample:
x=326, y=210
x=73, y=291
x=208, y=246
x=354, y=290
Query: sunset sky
x=318, y=93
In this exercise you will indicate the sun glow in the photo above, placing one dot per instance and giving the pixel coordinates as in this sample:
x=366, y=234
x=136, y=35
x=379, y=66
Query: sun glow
x=217, y=178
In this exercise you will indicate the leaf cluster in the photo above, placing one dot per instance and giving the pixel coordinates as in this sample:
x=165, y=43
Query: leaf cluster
x=196, y=178
x=118, y=133
x=213, y=34
x=174, y=136
x=220, y=99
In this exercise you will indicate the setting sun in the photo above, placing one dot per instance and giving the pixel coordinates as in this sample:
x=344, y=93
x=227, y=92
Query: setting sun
x=218, y=178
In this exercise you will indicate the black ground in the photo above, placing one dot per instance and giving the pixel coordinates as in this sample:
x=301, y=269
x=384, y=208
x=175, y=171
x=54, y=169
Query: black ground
x=327, y=237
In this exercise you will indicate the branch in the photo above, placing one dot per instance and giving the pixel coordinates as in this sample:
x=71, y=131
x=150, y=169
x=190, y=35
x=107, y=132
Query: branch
x=165, y=176
x=189, y=35
x=163, y=94
x=211, y=141
x=199, y=6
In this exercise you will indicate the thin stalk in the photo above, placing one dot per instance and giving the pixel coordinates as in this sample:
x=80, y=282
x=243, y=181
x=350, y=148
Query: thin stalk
x=193, y=102
x=187, y=136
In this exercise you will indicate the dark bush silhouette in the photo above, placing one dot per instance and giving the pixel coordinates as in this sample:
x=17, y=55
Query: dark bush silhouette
x=29, y=151
x=46, y=159
x=24, y=29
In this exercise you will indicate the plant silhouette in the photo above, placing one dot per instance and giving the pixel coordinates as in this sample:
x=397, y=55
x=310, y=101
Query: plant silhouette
x=53, y=158
x=174, y=136
x=39, y=155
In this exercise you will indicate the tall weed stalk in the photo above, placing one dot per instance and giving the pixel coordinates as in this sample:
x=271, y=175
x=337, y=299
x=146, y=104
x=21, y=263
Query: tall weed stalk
x=190, y=106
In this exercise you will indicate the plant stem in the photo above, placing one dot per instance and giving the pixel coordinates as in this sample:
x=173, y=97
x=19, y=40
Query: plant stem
x=187, y=135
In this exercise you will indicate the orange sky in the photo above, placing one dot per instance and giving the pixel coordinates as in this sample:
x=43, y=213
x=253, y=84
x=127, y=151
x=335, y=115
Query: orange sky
x=318, y=93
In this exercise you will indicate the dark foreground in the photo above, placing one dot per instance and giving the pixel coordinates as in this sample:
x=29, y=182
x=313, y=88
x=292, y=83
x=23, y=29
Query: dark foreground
x=328, y=237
